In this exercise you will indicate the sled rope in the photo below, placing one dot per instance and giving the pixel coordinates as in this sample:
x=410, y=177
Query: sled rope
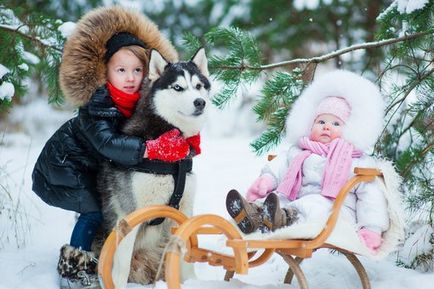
x=175, y=245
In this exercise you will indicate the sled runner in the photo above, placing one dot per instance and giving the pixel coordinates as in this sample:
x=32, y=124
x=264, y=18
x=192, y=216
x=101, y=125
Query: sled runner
x=249, y=251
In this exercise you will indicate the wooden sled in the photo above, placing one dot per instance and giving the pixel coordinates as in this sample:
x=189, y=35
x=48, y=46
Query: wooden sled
x=293, y=251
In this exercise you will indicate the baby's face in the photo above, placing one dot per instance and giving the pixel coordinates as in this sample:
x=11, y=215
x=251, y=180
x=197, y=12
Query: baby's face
x=326, y=128
x=125, y=71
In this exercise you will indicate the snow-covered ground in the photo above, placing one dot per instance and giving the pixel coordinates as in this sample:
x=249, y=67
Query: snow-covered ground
x=225, y=163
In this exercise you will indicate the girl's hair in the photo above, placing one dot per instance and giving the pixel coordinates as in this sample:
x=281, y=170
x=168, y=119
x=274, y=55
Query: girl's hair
x=141, y=54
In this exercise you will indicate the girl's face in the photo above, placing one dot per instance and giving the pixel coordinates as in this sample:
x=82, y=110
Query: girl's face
x=326, y=128
x=125, y=71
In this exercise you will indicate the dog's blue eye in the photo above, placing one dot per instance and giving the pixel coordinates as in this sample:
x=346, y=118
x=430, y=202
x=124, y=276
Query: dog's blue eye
x=198, y=86
x=177, y=87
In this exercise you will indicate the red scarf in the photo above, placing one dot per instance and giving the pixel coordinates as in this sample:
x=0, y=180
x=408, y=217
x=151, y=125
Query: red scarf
x=194, y=142
x=125, y=102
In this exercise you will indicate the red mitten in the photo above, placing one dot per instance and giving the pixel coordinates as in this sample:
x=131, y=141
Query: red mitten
x=194, y=142
x=169, y=147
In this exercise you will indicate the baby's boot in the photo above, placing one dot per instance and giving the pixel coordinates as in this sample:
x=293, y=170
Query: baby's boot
x=246, y=215
x=274, y=217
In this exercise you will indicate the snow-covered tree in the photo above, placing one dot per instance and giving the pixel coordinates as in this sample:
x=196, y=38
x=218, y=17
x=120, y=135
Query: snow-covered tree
x=31, y=41
x=408, y=138
x=28, y=45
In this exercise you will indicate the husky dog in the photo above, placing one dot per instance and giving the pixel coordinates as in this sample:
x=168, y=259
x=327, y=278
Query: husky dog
x=175, y=97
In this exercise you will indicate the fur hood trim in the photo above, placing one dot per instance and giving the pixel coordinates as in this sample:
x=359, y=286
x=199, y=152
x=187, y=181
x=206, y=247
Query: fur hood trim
x=83, y=68
x=365, y=122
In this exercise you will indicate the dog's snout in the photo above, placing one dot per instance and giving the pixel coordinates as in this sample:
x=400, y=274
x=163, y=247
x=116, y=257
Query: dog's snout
x=199, y=103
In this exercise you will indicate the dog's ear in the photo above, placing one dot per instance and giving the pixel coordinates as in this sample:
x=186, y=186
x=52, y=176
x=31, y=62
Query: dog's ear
x=157, y=63
x=201, y=62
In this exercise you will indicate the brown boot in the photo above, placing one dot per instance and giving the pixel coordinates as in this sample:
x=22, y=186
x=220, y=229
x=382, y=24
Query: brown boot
x=274, y=217
x=77, y=268
x=246, y=215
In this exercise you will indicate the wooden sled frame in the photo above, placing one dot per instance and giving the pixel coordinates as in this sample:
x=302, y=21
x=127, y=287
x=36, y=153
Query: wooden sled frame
x=293, y=251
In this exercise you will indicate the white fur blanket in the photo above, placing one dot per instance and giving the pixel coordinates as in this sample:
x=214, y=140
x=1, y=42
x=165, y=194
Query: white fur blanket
x=344, y=234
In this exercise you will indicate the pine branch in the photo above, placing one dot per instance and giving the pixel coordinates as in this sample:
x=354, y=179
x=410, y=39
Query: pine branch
x=417, y=159
x=401, y=100
x=328, y=56
x=191, y=44
x=29, y=37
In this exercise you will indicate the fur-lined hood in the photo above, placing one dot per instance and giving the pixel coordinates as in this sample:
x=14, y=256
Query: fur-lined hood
x=365, y=122
x=83, y=68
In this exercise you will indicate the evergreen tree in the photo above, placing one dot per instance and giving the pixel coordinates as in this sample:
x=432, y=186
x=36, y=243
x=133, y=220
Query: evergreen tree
x=31, y=46
x=408, y=138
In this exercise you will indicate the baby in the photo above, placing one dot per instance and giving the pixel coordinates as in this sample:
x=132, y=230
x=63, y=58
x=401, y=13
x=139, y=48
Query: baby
x=301, y=185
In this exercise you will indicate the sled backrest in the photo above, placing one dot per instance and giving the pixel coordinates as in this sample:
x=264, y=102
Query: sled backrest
x=361, y=175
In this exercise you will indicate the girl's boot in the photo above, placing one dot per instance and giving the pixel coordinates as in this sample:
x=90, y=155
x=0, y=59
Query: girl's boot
x=77, y=269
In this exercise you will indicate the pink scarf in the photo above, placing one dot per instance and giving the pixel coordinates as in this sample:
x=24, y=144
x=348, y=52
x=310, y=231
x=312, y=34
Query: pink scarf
x=339, y=153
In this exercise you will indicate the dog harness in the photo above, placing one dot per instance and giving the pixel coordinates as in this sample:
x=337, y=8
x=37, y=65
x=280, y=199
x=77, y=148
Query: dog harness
x=179, y=172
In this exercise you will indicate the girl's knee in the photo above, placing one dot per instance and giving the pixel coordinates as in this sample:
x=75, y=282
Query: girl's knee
x=91, y=217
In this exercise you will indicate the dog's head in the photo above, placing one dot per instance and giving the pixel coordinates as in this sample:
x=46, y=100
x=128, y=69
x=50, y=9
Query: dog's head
x=180, y=91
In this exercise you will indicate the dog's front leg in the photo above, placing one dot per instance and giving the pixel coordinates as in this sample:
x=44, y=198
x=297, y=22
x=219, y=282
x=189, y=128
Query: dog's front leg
x=122, y=258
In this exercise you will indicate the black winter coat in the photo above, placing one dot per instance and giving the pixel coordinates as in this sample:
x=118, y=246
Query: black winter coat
x=65, y=172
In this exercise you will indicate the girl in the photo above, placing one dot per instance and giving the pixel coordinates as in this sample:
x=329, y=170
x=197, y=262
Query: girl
x=331, y=127
x=111, y=46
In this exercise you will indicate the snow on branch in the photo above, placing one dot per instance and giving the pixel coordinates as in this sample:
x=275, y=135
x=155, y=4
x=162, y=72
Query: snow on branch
x=31, y=38
x=331, y=55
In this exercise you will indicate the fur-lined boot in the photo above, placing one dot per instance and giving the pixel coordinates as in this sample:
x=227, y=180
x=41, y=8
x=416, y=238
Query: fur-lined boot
x=274, y=217
x=77, y=268
x=246, y=215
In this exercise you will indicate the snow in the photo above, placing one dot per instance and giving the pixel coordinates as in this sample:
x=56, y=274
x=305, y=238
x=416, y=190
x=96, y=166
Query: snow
x=67, y=28
x=23, y=66
x=409, y=6
x=7, y=91
x=309, y=4
x=30, y=57
x=3, y=70
x=418, y=243
x=9, y=20
x=225, y=163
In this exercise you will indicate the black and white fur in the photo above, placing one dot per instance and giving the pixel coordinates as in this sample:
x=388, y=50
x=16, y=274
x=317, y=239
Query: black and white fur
x=175, y=97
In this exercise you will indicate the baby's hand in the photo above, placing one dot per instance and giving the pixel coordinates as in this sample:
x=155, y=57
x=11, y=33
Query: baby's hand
x=260, y=188
x=371, y=239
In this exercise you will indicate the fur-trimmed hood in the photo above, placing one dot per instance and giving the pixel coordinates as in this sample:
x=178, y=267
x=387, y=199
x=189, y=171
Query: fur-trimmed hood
x=83, y=68
x=365, y=122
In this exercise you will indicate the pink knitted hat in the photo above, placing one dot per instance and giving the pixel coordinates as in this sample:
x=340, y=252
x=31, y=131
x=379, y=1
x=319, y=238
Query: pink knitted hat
x=337, y=106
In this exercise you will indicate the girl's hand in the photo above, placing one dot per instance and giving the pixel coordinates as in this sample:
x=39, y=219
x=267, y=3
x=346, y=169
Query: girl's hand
x=169, y=147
